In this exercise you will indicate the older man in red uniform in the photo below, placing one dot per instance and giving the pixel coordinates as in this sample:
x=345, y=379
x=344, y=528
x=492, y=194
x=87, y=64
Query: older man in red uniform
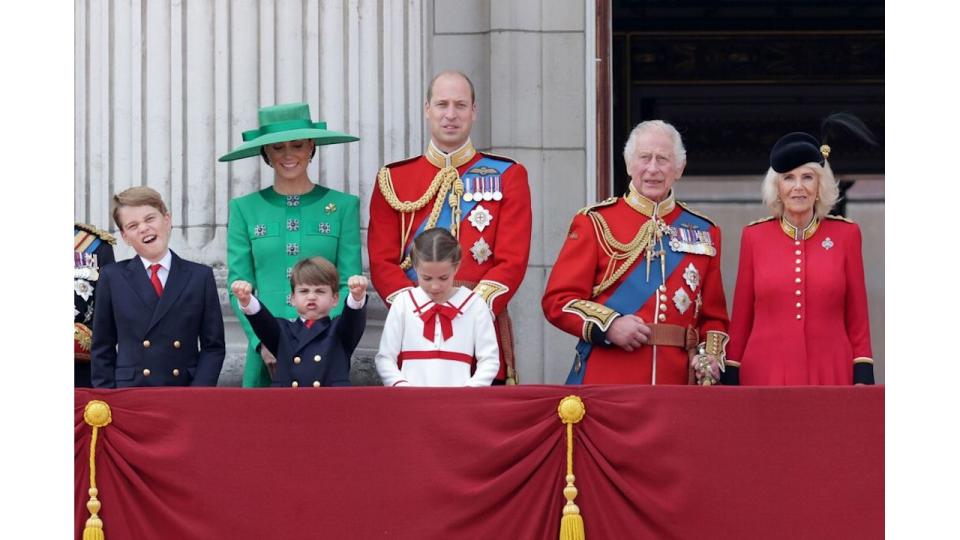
x=483, y=199
x=638, y=277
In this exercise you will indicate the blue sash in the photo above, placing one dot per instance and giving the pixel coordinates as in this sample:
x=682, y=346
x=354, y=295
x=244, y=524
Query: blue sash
x=634, y=290
x=446, y=213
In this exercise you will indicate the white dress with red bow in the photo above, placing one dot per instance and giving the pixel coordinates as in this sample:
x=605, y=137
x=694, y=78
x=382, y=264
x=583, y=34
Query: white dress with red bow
x=427, y=344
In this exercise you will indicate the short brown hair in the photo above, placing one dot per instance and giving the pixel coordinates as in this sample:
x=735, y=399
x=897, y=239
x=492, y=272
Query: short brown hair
x=315, y=271
x=136, y=196
x=435, y=245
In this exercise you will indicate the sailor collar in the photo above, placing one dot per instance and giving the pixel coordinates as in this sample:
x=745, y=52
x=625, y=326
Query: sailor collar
x=647, y=207
x=796, y=233
x=455, y=159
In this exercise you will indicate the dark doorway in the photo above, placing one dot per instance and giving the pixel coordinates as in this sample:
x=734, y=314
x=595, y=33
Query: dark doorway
x=735, y=75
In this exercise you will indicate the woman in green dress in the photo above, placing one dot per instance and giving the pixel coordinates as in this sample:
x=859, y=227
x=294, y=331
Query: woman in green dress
x=270, y=230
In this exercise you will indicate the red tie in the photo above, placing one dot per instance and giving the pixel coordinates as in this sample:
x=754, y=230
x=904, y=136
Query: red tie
x=446, y=314
x=309, y=323
x=155, y=279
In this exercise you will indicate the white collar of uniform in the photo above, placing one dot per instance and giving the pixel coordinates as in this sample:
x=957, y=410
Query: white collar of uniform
x=163, y=262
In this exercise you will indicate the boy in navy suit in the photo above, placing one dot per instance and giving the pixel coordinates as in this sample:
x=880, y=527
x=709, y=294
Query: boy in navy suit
x=312, y=350
x=158, y=320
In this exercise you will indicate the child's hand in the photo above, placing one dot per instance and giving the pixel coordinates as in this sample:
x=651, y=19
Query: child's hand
x=357, y=286
x=242, y=290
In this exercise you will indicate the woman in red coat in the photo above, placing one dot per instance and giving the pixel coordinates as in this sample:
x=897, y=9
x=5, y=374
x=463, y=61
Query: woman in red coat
x=800, y=306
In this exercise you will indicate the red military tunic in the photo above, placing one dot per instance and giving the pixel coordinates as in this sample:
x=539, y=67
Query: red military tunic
x=494, y=235
x=689, y=298
x=800, y=306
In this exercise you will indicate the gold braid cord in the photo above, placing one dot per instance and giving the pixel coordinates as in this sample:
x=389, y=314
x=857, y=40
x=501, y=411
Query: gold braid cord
x=571, y=411
x=618, y=251
x=446, y=179
x=97, y=415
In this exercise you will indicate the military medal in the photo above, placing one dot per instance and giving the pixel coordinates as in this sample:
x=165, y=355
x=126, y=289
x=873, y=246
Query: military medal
x=497, y=194
x=488, y=189
x=827, y=243
x=467, y=193
x=481, y=251
x=480, y=217
x=477, y=195
x=682, y=300
x=692, y=277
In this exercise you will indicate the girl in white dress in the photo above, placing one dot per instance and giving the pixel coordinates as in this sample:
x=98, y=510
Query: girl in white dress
x=437, y=333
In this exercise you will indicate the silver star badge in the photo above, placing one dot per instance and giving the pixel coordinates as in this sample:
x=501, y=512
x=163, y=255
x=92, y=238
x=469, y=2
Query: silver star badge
x=480, y=217
x=692, y=277
x=827, y=243
x=481, y=251
x=682, y=300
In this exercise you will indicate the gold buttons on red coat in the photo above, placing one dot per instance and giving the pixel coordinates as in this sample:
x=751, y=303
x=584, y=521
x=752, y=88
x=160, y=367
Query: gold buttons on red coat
x=146, y=372
x=663, y=298
x=176, y=344
x=798, y=316
x=798, y=304
x=662, y=317
x=176, y=372
x=146, y=344
x=797, y=261
x=663, y=307
x=798, y=292
x=797, y=252
x=796, y=280
x=296, y=359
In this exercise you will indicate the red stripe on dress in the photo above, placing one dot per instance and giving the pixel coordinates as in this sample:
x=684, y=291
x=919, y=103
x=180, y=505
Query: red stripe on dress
x=434, y=355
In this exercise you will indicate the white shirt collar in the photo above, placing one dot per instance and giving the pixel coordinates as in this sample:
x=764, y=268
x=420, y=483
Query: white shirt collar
x=164, y=262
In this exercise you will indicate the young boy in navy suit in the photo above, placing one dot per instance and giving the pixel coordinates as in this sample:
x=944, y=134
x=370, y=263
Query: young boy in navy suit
x=312, y=350
x=158, y=320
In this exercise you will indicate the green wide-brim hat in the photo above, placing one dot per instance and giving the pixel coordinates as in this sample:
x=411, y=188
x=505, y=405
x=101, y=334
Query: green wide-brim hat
x=282, y=123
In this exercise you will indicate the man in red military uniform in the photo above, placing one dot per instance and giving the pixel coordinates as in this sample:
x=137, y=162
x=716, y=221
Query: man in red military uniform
x=638, y=277
x=483, y=199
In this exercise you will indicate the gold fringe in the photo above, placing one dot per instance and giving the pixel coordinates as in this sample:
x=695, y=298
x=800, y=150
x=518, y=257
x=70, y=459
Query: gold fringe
x=571, y=411
x=96, y=414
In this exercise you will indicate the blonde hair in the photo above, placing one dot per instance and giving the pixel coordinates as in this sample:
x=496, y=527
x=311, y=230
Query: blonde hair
x=136, y=196
x=828, y=190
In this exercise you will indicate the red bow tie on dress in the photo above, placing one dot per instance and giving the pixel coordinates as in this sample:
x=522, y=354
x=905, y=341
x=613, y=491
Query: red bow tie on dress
x=446, y=314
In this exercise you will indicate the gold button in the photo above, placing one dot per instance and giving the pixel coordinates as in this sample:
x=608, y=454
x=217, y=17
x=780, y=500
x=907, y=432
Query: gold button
x=797, y=280
x=294, y=384
x=663, y=288
x=797, y=261
x=796, y=243
x=316, y=358
x=176, y=344
x=798, y=316
x=663, y=307
x=316, y=384
x=662, y=317
x=797, y=252
x=797, y=269
x=296, y=359
x=146, y=344
x=146, y=372
x=798, y=304
x=176, y=372
x=798, y=292
x=663, y=298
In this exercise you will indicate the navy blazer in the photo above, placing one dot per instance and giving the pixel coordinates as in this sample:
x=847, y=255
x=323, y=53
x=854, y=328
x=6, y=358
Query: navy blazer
x=315, y=356
x=142, y=340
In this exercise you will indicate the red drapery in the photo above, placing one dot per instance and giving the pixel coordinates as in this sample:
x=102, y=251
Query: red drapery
x=358, y=463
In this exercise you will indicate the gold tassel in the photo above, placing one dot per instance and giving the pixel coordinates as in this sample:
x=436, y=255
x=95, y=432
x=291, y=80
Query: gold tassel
x=571, y=411
x=97, y=414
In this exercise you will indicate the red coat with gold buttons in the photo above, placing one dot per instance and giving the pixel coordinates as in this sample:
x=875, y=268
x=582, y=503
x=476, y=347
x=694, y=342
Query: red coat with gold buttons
x=800, y=306
x=691, y=296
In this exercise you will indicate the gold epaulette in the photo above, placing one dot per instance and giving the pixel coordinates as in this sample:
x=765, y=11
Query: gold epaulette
x=698, y=214
x=840, y=218
x=401, y=162
x=761, y=220
x=587, y=209
x=100, y=233
x=498, y=156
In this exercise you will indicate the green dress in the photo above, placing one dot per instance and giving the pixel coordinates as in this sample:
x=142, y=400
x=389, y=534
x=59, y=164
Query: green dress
x=267, y=233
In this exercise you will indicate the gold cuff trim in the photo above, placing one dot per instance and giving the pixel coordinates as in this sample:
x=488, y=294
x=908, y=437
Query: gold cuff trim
x=863, y=360
x=733, y=363
x=716, y=343
x=593, y=312
x=390, y=297
x=489, y=290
